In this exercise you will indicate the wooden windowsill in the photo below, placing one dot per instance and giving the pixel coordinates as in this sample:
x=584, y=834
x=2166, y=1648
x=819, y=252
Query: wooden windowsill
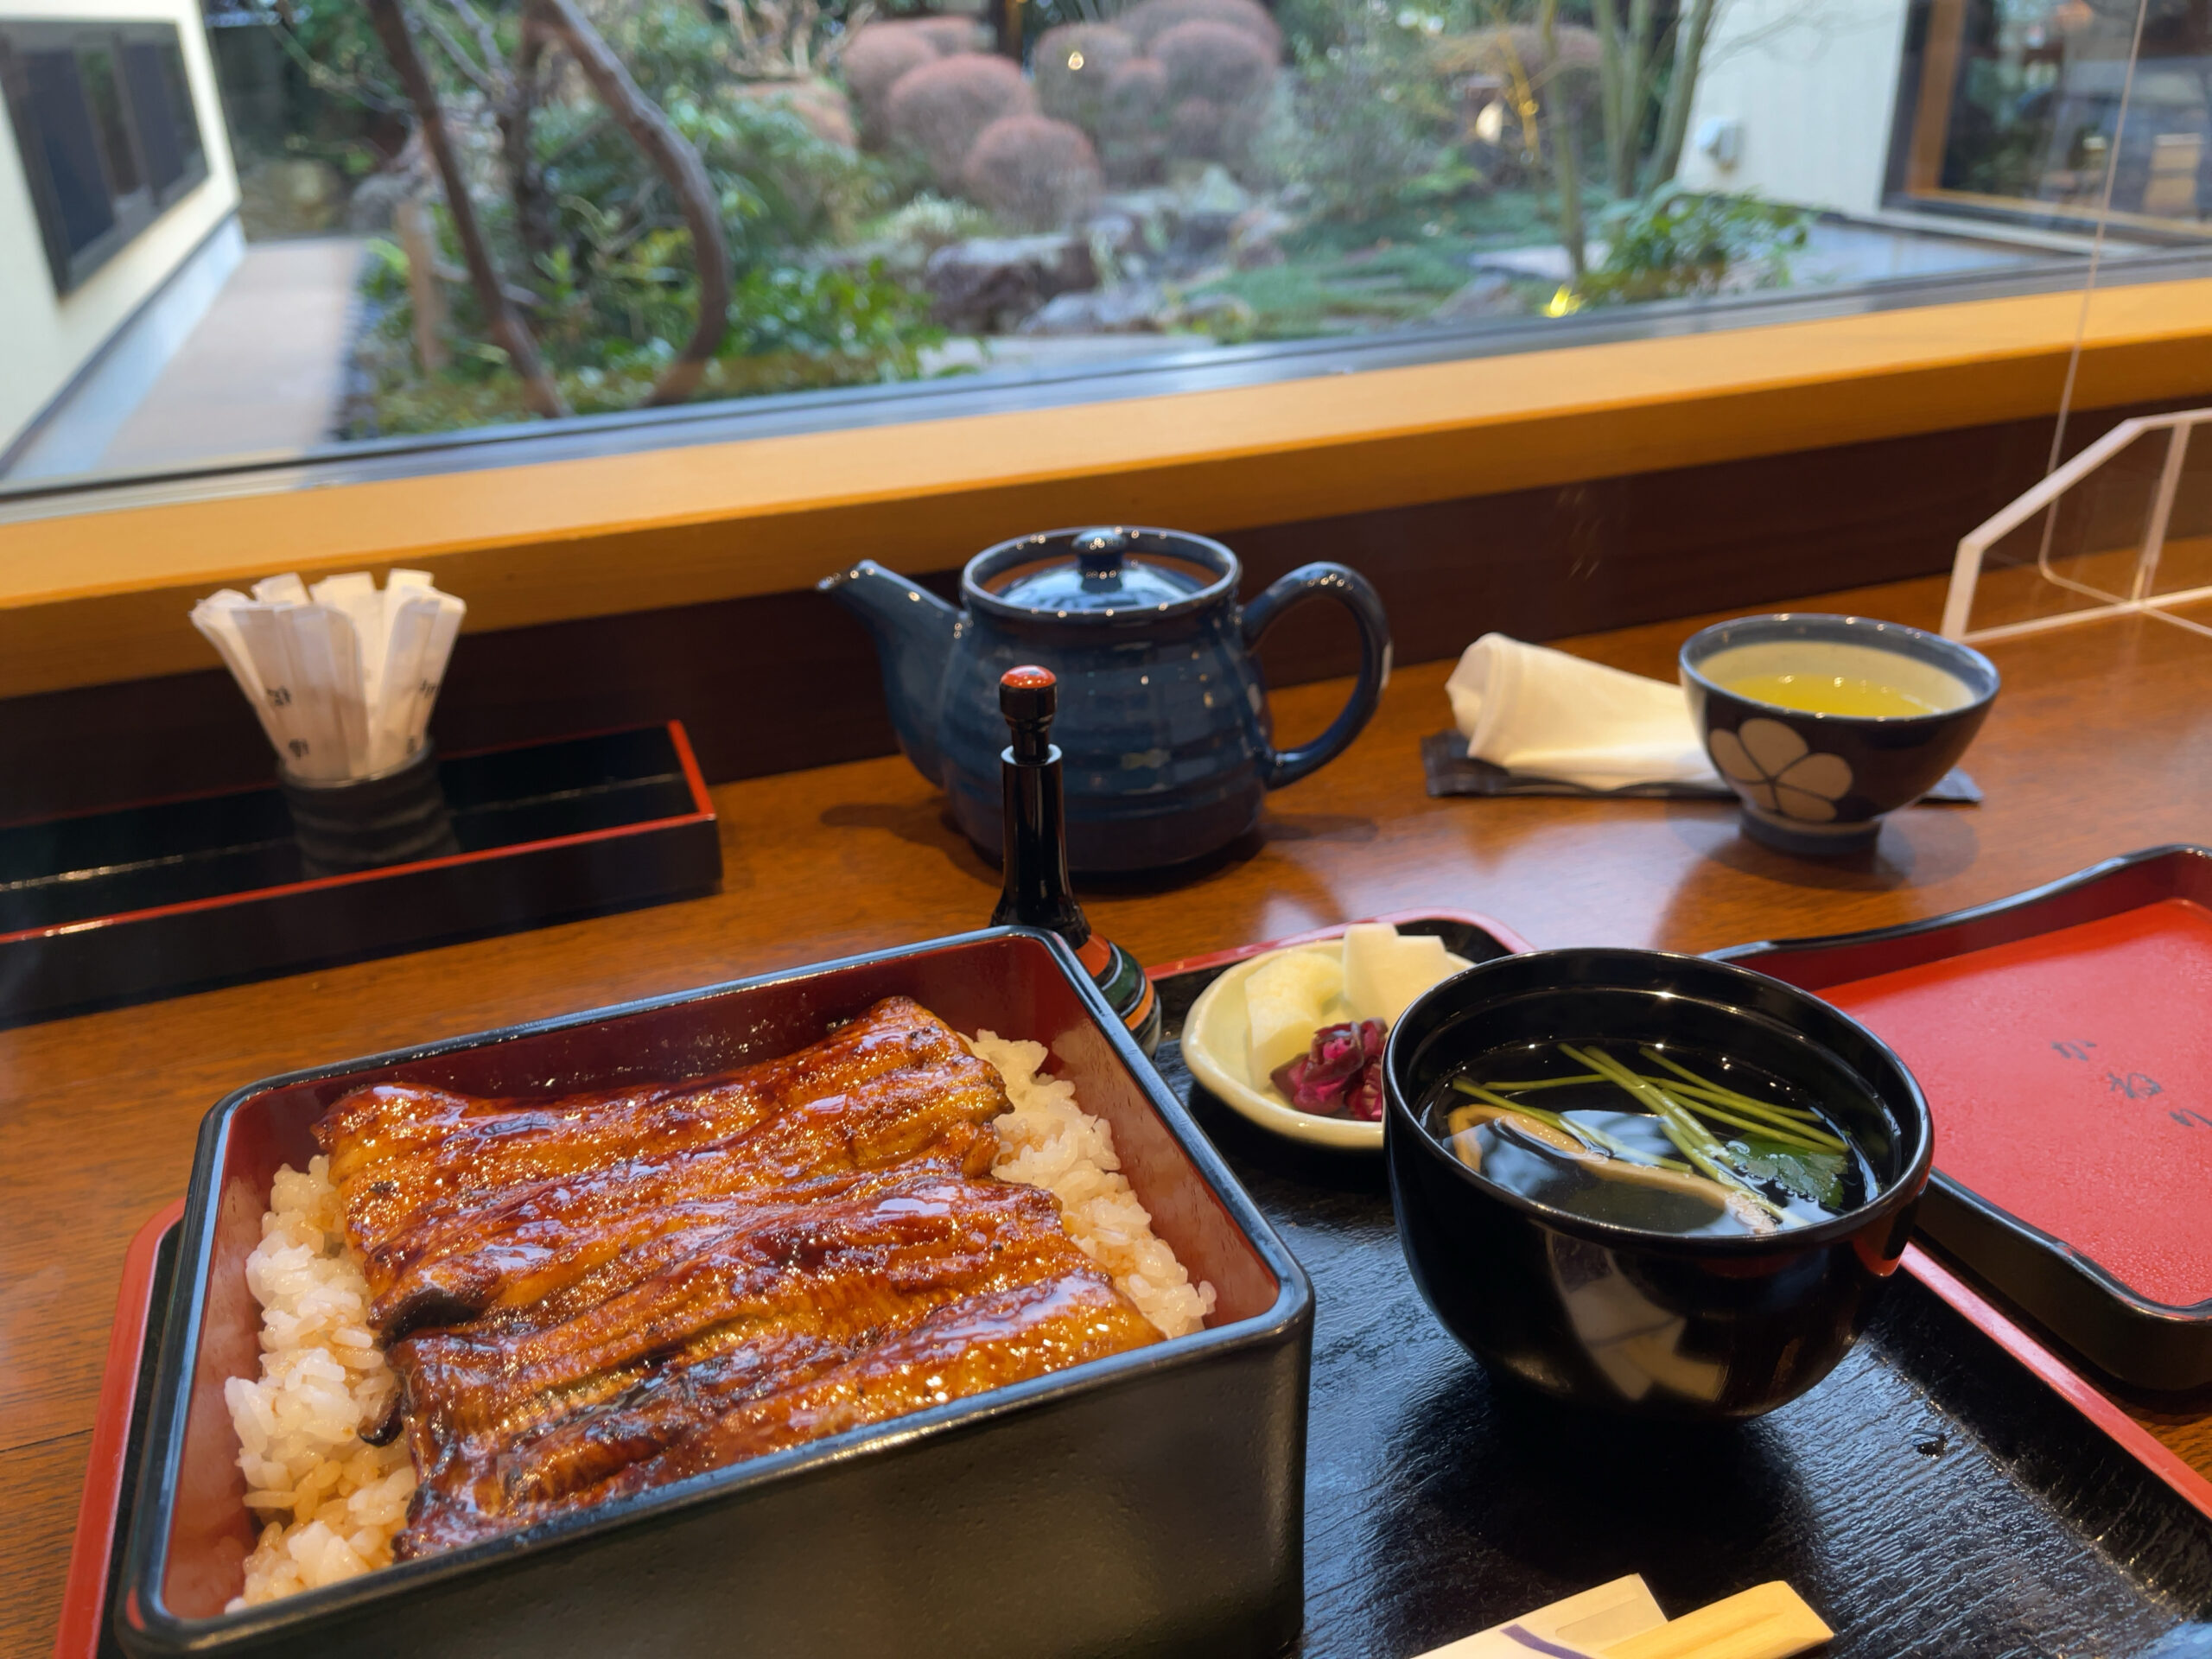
x=101, y=596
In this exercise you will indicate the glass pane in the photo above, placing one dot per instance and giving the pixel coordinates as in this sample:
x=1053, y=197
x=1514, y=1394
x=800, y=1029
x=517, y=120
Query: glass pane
x=191, y=149
x=64, y=124
x=97, y=65
x=144, y=73
x=913, y=191
x=2029, y=110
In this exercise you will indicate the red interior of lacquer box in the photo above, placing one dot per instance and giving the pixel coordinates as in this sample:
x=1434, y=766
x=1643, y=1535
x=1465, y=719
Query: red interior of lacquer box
x=1012, y=985
x=2064, y=1047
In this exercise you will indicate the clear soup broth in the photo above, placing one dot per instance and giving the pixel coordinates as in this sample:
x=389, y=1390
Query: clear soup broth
x=1667, y=1139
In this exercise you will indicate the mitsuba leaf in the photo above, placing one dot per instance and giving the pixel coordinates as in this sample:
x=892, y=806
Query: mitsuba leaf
x=1816, y=1177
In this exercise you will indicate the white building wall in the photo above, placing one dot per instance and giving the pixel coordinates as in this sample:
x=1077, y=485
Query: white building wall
x=1812, y=87
x=46, y=339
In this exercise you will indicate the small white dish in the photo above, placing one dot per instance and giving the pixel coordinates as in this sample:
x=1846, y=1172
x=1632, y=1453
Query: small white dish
x=1216, y=1046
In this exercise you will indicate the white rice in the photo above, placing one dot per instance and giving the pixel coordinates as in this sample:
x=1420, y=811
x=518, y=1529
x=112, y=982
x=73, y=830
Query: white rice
x=332, y=1503
x=1048, y=1140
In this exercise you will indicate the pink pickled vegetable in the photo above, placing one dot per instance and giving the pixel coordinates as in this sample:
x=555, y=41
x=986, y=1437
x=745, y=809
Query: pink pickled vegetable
x=1341, y=1076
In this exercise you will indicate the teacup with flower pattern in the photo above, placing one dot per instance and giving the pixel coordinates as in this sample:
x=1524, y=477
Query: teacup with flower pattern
x=1820, y=782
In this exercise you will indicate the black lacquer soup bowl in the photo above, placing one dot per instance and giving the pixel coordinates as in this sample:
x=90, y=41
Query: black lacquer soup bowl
x=1650, y=1323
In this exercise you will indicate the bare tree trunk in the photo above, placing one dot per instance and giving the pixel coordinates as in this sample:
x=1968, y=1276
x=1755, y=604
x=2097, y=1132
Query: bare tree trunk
x=412, y=221
x=1615, y=100
x=669, y=152
x=509, y=331
x=1674, y=118
x=1636, y=91
x=1567, y=172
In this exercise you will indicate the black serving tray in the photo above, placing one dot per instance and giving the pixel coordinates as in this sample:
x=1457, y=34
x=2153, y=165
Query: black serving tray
x=171, y=896
x=1932, y=1497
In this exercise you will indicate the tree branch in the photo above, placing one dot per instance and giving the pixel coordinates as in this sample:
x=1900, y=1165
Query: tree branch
x=1674, y=118
x=509, y=331
x=485, y=81
x=1616, y=102
x=536, y=216
x=478, y=25
x=1559, y=111
x=1637, y=75
x=677, y=161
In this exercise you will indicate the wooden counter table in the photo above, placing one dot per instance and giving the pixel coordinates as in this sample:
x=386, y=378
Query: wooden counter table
x=2101, y=743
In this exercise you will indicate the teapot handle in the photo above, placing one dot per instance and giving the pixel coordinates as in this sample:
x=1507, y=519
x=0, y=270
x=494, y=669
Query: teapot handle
x=1354, y=592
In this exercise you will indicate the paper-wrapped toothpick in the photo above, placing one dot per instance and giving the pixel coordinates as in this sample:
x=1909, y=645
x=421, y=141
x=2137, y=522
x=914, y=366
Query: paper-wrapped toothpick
x=1620, y=1620
x=343, y=676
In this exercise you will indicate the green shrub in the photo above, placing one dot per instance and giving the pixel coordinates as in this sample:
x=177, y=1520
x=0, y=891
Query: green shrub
x=1674, y=244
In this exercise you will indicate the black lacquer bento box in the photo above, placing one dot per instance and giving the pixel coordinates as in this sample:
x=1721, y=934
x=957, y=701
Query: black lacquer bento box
x=1152, y=1502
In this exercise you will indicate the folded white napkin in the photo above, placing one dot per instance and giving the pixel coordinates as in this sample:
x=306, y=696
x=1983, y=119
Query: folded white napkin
x=1543, y=714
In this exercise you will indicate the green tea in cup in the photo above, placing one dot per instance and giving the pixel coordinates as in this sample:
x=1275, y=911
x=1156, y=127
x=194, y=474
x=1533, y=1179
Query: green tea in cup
x=1819, y=677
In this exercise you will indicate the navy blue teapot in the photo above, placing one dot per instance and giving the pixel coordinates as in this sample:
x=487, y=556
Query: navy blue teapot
x=1163, y=723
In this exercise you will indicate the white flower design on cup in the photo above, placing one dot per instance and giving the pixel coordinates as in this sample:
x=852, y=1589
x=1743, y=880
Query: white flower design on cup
x=1774, y=768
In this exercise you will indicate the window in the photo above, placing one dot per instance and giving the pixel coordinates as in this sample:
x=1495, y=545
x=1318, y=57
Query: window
x=472, y=222
x=104, y=125
x=2034, y=108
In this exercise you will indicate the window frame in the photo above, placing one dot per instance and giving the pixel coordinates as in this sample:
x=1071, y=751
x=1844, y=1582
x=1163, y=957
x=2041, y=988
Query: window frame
x=1927, y=90
x=91, y=597
x=135, y=210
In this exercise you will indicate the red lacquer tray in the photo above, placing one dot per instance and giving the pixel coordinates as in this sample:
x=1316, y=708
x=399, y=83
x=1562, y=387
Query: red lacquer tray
x=2062, y=1038
x=86, y=1594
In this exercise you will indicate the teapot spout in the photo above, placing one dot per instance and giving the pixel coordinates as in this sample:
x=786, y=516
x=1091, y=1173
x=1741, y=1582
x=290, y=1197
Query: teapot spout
x=913, y=632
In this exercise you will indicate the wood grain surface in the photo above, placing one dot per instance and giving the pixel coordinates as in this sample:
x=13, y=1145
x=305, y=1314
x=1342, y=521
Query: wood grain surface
x=2101, y=743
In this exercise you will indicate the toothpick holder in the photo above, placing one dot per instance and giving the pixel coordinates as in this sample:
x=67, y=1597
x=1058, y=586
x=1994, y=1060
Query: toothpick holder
x=361, y=823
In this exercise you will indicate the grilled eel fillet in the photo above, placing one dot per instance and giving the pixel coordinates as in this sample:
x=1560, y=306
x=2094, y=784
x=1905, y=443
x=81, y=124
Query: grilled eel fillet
x=589, y=1297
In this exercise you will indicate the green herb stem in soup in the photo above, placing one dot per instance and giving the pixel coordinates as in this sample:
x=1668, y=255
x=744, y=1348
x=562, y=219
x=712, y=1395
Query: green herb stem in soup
x=1667, y=1141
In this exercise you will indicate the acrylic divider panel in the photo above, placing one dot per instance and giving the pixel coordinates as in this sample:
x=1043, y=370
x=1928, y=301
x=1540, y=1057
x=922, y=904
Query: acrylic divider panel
x=2124, y=528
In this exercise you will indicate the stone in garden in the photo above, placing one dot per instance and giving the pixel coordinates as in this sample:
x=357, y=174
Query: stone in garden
x=1215, y=195
x=1489, y=295
x=1208, y=212
x=1546, y=261
x=1255, y=236
x=1124, y=308
x=989, y=284
x=1114, y=233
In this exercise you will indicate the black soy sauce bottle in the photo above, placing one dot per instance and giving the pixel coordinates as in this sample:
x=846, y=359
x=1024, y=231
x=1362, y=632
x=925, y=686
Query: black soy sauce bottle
x=1037, y=892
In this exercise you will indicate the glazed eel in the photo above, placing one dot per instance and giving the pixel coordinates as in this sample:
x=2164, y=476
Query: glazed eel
x=588, y=1297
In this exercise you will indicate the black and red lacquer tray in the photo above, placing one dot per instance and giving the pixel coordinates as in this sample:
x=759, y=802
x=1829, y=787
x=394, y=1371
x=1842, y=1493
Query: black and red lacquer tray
x=1957, y=1487
x=2065, y=1039
x=170, y=896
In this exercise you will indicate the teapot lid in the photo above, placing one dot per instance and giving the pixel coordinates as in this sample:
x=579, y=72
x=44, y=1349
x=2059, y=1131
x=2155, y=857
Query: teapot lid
x=1104, y=577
